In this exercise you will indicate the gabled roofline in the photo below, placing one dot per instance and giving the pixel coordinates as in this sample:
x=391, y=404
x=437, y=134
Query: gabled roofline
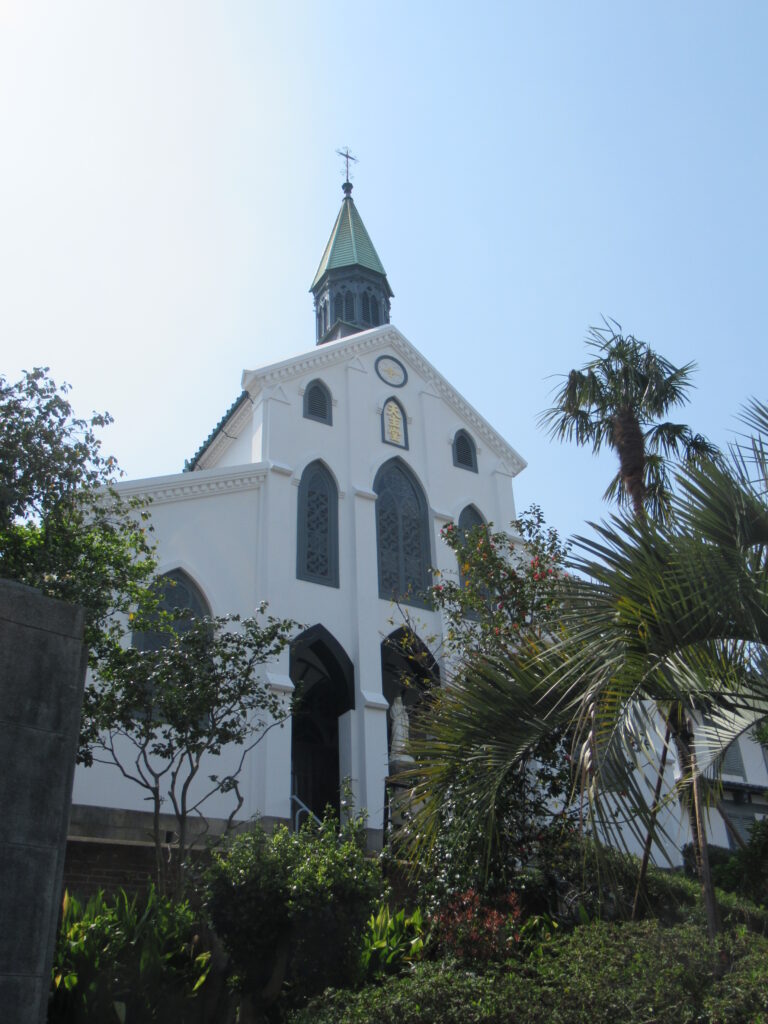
x=190, y=464
x=386, y=336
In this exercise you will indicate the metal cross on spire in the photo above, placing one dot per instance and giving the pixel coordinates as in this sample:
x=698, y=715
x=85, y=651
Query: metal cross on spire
x=346, y=155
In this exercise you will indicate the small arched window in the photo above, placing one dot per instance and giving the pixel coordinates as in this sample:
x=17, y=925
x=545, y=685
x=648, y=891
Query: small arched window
x=317, y=543
x=464, y=451
x=349, y=307
x=402, y=535
x=180, y=597
x=366, y=308
x=469, y=520
x=317, y=403
x=394, y=424
x=338, y=307
x=374, y=311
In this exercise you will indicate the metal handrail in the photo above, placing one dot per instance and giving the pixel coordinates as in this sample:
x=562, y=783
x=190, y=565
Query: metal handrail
x=302, y=809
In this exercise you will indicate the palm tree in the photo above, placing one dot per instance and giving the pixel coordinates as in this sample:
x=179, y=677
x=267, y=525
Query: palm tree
x=620, y=399
x=666, y=620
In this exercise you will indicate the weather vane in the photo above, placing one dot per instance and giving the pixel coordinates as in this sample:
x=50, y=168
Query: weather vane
x=346, y=155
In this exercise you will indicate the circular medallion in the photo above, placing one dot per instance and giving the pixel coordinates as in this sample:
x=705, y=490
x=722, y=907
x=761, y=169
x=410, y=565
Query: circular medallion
x=391, y=371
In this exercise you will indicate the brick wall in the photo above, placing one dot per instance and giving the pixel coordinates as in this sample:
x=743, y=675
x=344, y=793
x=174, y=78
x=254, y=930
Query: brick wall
x=90, y=866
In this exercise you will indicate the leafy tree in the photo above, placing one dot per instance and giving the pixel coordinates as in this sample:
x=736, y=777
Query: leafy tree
x=620, y=399
x=161, y=715
x=503, y=599
x=659, y=618
x=63, y=527
x=505, y=592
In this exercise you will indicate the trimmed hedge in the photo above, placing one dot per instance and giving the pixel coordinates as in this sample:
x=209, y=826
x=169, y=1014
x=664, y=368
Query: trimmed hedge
x=633, y=973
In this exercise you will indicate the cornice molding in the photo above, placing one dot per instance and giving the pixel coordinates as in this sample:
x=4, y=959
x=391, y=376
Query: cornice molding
x=203, y=483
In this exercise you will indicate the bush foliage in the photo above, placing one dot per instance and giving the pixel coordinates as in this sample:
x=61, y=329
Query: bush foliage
x=633, y=973
x=292, y=906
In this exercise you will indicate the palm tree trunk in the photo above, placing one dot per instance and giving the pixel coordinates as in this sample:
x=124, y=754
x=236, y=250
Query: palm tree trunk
x=651, y=828
x=630, y=446
x=682, y=733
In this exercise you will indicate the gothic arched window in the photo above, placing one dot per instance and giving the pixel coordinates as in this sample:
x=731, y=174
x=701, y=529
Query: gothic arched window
x=366, y=308
x=349, y=307
x=317, y=544
x=338, y=307
x=374, y=311
x=464, y=451
x=394, y=424
x=179, y=596
x=469, y=520
x=402, y=535
x=317, y=403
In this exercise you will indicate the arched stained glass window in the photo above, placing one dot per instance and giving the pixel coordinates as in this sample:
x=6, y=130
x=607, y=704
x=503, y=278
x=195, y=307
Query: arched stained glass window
x=317, y=403
x=469, y=520
x=317, y=546
x=394, y=424
x=402, y=535
x=349, y=307
x=178, y=595
x=464, y=451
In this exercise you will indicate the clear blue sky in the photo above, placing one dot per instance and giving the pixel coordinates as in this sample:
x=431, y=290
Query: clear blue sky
x=168, y=182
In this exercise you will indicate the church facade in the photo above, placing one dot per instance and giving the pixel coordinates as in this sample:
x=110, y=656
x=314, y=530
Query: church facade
x=323, y=490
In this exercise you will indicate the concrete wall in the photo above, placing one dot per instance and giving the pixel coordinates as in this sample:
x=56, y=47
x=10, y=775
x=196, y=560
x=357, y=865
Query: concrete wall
x=42, y=671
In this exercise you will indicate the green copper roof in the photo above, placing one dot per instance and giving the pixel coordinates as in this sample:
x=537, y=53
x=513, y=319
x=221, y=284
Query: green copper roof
x=349, y=244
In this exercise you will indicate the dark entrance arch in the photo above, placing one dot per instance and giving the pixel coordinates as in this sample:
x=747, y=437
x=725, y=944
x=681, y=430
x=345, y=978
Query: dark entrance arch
x=408, y=672
x=323, y=676
x=408, y=669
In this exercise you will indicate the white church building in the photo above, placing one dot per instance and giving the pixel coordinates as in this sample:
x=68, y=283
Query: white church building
x=323, y=490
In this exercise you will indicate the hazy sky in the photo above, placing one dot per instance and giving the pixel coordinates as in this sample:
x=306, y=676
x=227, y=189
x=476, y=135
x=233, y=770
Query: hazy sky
x=168, y=182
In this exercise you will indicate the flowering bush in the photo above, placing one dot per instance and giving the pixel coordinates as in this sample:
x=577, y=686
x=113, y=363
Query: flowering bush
x=505, y=591
x=474, y=928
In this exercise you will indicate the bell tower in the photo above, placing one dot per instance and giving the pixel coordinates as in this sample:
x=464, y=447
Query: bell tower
x=350, y=289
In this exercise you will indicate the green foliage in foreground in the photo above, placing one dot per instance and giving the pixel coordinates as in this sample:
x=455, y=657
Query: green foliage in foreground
x=293, y=906
x=392, y=942
x=633, y=973
x=126, y=959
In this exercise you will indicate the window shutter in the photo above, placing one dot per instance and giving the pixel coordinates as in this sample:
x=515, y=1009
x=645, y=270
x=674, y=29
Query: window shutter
x=317, y=403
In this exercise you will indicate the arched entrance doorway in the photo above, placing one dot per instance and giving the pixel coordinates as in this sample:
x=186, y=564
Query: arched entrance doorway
x=323, y=676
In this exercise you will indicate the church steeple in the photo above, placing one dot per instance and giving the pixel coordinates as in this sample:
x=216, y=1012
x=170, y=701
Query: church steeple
x=350, y=288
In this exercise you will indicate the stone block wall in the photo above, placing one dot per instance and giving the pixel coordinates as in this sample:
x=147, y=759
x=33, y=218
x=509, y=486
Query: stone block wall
x=42, y=674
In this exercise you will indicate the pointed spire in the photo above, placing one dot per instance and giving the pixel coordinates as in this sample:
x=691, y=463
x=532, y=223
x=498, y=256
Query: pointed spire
x=350, y=287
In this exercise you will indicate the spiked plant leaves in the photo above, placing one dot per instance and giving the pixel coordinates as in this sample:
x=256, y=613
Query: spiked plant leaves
x=662, y=624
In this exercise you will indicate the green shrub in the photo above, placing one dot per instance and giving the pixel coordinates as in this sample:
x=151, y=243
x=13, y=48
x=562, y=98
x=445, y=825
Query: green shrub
x=745, y=871
x=292, y=906
x=633, y=973
x=392, y=942
x=130, y=959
